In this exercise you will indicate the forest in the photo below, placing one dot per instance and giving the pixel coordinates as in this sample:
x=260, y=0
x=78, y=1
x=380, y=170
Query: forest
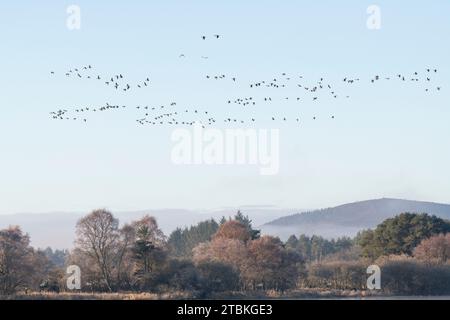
x=227, y=258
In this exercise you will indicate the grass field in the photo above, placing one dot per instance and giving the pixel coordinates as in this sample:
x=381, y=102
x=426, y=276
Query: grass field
x=297, y=294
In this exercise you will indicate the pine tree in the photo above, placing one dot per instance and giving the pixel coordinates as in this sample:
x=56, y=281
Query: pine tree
x=246, y=221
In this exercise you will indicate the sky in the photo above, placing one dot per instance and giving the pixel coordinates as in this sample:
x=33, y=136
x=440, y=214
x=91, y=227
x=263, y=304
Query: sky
x=387, y=140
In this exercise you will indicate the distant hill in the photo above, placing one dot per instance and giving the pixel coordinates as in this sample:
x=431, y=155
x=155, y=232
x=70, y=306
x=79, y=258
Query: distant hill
x=350, y=218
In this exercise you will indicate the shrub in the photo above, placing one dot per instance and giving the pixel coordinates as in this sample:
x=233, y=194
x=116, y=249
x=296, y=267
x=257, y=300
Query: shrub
x=218, y=277
x=408, y=276
x=340, y=275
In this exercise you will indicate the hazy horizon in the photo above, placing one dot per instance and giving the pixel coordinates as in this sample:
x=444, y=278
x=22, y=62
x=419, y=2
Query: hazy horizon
x=225, y=207
x=57, y=229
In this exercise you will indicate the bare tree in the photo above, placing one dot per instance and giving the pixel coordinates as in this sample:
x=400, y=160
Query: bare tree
x=434, y=250
x=98, y=238
x=124, y=260
x=16, y=260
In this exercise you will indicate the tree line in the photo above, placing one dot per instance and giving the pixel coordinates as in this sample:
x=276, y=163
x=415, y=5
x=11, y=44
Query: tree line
x=413, y=251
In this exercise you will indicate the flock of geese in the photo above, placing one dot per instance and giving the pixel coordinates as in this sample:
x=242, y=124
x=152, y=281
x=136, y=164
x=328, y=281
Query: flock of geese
x=172, y=114
x=116, y=81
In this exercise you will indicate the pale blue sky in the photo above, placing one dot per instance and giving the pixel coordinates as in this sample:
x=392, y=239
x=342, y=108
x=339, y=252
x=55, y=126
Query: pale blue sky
x=387, y=140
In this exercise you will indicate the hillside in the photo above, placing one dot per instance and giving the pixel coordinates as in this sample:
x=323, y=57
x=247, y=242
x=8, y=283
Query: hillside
x=348, y=219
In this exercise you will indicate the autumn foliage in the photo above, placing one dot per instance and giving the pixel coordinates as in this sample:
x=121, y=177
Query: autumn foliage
x=230, y=256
